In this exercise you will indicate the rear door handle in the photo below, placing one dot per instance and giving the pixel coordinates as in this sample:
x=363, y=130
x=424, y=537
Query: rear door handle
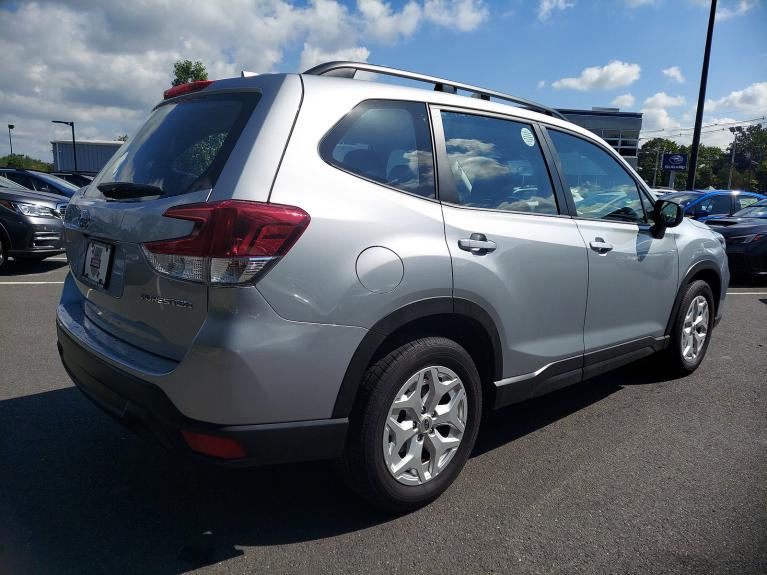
x=477, y=244
x=600, y=246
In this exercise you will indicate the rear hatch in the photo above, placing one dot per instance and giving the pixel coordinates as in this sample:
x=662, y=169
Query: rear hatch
x=176, y=158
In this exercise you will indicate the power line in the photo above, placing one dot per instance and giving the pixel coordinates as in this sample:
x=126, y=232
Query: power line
x=759, y=120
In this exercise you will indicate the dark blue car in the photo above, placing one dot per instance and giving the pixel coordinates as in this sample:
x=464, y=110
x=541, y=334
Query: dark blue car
x=39, y=181
x=746, y=236
x=707, y=204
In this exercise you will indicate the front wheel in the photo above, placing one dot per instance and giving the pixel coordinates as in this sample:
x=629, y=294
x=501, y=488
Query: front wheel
x=414, y=424
x=691, y=332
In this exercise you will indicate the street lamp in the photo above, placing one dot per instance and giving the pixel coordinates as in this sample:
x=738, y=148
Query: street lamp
x=74, y=143
x=10, y=139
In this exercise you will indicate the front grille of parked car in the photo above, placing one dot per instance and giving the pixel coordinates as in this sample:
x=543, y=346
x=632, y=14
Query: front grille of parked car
x=62, y=209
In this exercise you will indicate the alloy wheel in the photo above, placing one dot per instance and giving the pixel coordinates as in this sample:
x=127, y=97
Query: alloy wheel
x=695, y=328
x=425, y=425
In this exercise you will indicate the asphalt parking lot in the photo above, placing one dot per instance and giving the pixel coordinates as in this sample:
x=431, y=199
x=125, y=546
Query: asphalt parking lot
x=627, y=473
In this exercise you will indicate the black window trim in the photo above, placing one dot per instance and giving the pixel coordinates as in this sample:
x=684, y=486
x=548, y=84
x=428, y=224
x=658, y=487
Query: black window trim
x=641, y=185
x=444, y=177
x=435, y=199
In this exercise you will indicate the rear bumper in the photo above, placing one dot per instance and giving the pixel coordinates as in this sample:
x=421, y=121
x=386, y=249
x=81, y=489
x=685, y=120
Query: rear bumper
x=147, y=410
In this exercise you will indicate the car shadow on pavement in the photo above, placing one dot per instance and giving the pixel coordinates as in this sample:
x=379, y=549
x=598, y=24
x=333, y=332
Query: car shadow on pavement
x=78, y=493
x=28, y=267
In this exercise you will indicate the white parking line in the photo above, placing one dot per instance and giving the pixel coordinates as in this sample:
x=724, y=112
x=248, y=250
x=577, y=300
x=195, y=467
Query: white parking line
x=28, y=283
x=747, y=293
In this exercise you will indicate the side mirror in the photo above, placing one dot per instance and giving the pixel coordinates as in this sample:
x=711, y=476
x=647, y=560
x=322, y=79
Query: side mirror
x=667, y=214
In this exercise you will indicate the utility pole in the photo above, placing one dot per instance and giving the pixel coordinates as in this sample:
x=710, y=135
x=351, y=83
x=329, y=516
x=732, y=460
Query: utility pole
x=732, y=157
x=74, y=143
x=655, y=174
x=701, y=100
x=10, y=139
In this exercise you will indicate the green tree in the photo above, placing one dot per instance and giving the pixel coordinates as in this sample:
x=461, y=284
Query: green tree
x=24, y=161
x=185, y=71
x=750, y=170
x=651, y=155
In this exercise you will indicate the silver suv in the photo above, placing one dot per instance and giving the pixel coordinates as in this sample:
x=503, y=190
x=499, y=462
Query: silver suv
x=307, y=266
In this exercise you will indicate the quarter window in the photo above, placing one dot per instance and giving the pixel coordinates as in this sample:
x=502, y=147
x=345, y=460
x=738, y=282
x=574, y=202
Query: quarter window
x=496, y=164
x=600, y=187
x=387, y=142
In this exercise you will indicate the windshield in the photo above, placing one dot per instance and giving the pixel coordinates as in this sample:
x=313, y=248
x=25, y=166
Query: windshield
x=6, y=183
x=183, y=146
x=682, y=199
x=58, y=182
x=758, y=210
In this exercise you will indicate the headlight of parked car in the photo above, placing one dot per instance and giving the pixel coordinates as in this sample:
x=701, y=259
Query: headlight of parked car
x=34, y=210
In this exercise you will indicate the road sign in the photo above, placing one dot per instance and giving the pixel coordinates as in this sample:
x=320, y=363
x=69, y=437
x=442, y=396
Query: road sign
x=674, y=161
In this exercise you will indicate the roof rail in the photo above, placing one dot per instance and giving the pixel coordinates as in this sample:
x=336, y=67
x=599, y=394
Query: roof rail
x=345, y=69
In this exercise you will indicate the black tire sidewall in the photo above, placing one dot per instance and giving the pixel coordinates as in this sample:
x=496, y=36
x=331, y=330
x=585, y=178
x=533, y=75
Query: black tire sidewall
x=442, y=352
x=694, y=290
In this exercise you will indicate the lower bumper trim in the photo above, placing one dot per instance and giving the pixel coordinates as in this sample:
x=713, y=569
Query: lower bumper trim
x=144, y=408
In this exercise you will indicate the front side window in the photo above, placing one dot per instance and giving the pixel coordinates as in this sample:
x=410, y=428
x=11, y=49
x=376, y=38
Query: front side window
x=385, y=141
x=714, y=205
x=497, y=164
x=600, y=187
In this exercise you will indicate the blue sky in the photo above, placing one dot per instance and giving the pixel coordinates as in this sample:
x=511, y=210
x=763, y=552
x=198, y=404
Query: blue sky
x=104, y=64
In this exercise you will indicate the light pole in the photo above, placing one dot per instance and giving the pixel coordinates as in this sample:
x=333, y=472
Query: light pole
x=10, y=139
x=732, y=157
x=74, y=143
x=701, y=100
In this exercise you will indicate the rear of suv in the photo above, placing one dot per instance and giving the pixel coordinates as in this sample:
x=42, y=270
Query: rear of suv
x=306, y=266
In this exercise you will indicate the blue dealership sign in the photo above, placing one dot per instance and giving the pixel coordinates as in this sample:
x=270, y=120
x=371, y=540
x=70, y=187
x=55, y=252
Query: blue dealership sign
x=674, y=161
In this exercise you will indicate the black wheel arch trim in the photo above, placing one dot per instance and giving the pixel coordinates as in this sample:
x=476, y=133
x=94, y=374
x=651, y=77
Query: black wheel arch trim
x=421, y=309
x=695, y=269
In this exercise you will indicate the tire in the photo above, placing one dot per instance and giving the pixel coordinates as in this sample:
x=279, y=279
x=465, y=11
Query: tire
x=364, y=465
x=3, y=253
x=679, y=358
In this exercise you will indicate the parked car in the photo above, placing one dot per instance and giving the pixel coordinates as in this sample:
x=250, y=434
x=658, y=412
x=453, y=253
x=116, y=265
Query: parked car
x=705, y=204
x=77, y=179
x=746, y=236
x=275, y=269
x=39, y=181
x=31, y=225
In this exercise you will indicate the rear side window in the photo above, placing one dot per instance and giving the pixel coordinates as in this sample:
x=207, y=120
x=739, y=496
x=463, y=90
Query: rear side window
x=387, y=142
x=497, y=164
x=184, y=144
x=718, y=204
x=600, y=187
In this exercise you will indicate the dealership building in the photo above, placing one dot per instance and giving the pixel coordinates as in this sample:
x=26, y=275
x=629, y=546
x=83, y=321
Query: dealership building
x=619, y=129
x=92, y=155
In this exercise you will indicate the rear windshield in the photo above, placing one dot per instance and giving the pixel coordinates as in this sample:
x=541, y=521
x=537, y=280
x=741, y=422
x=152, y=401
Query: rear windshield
x=184, y=144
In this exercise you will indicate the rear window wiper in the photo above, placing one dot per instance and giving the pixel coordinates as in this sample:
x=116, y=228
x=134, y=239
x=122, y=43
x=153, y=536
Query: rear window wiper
x=129, y=190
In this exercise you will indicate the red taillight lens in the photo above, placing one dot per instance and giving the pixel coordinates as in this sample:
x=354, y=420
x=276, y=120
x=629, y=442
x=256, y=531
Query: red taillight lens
x=233, y=241
x=188, y=88
x=214, y=445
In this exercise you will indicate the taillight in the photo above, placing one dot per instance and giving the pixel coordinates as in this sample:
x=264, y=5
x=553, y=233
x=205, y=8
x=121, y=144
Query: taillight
x=233, y=241
x=187, y=88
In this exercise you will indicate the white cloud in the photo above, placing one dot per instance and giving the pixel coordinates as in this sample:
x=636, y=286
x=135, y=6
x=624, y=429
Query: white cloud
x=658, y=119
x=663, y=100
x=675, y=74
x=624, y=101
x=105, y=64
x=546, y=7
x=464, y=15
x=613, y=75
x=636, y=3
x=384, y=25
x=751, y=100
x=725, y=12
x=541, y=84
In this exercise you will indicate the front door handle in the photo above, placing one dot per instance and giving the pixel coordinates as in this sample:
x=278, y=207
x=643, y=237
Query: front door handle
x=477, y=244
x=600, y=246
